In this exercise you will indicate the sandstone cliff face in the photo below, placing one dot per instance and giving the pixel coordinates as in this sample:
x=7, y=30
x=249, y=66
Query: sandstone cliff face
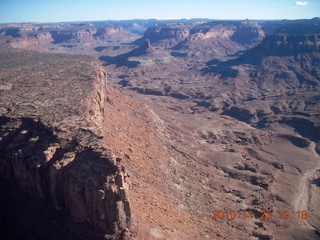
x=44, y=37
x=28, y=43
x=33, y=42
x=109, y=33
x=54, y=150
x=73, y=36
x=216, y=38
x=248, y=33
x=166, y=36
x=88, y=35
x=210, y=40
x=88, y=183
x=32, y=39
x=285, y=43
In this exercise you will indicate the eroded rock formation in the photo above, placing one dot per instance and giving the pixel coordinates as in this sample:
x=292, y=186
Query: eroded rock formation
x=53, y=151
x=89, y=183
x=284, y=44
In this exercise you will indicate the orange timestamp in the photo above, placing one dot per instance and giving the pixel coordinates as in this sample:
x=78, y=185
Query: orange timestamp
x=261, y=214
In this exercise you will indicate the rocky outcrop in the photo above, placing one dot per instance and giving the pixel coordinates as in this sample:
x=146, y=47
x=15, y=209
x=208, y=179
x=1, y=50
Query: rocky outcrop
x=166, y=36
x=248, y=33
x=90, y=183
x=88, y=35
x=28, y=43
x=291, y=36
x=283, y=43
x=219, y=38
x=147, y=50
x=111, y=32
x=33, y=42
x=74, y=36
x=44, y=37
x=51, y=140
x=27, y=38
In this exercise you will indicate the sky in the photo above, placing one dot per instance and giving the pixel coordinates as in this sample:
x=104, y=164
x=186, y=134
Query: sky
x=92, y=10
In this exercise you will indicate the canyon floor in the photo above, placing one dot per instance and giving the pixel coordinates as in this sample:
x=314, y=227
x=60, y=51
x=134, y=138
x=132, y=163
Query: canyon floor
x=220, y=137
x=217, y=162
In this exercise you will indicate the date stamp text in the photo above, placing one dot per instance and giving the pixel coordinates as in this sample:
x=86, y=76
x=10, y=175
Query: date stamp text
x=262, y=214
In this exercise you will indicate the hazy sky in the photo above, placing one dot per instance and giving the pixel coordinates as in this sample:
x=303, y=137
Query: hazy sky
x=89, y=10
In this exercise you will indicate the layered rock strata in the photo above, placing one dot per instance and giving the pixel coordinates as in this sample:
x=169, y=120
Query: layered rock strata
x=50, y=138
x=293, y=43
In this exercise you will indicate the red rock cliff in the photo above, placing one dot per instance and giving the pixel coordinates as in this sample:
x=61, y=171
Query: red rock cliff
x=291, y=43
x=50, y=138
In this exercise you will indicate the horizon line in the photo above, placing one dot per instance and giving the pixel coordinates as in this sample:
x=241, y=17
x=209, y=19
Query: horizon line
x=158, y=19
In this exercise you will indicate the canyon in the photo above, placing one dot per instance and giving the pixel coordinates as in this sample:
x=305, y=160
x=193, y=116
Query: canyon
x=144, y=129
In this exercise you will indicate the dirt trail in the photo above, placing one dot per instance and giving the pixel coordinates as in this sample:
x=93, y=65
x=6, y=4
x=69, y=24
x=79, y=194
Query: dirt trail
x=301, y=201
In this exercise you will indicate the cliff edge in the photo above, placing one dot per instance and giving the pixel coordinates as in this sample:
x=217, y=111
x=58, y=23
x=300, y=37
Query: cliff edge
x=51, y=116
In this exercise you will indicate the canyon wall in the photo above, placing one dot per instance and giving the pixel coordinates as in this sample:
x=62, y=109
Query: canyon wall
x=32, y=39
x=282, y=43
x=89, y=183
x=54, y=150
x=28, y=43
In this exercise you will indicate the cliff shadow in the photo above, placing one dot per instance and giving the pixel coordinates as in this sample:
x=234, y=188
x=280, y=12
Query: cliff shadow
x=119, y=61
x=62, y=180
x=25, y=217
x=253, y=56
x=316, y=182
x=224, y=68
